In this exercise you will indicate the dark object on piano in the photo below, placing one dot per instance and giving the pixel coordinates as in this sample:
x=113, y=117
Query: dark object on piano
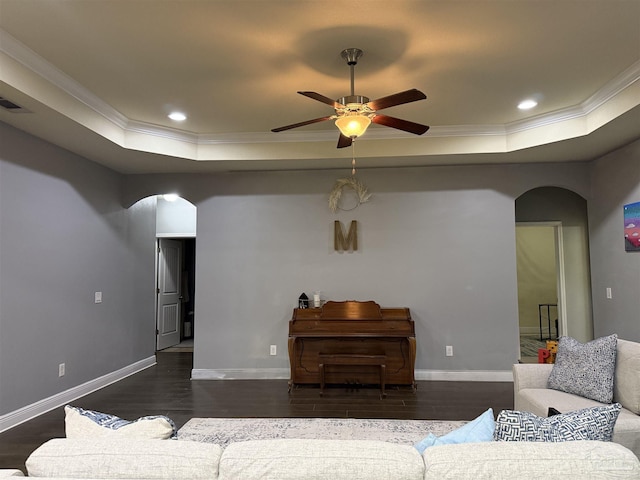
x=303, y=301
x=352, y=328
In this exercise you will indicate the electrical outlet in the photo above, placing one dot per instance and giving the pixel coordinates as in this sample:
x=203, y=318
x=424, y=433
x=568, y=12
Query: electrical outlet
x=609, y=292
x=449, y=351
x=61, y=369
x=98, y=297
x=273, y=350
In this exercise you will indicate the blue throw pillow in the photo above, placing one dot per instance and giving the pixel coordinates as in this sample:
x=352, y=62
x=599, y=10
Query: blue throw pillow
x=479, y=430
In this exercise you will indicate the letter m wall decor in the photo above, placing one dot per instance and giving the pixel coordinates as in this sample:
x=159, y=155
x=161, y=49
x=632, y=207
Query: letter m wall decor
x=348, y=243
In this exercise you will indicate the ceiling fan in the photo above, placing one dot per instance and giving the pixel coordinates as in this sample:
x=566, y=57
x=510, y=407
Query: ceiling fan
x=354, y=113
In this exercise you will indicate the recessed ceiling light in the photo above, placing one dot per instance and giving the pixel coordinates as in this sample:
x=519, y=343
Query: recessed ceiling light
x=177, y=116
x=527, y=104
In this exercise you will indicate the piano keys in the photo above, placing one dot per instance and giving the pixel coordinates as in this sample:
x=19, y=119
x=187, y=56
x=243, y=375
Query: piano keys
x=352, y=328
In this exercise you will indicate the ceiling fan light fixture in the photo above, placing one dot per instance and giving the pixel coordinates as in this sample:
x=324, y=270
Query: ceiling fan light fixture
x=353, y=126
x=354, y=113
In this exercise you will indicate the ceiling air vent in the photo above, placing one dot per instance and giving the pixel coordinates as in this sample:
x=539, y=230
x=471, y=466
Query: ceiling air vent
x=11, y=107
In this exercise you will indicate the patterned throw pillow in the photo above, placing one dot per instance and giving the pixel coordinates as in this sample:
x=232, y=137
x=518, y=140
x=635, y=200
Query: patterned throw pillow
x=81, y=423
x=595, y=423
x=585, y=369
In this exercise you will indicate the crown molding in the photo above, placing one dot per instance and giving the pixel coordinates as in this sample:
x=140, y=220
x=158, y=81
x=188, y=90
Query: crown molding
x=608, y=92
x=613, y=88
x=34, y=62
x=38, y=65
x=143, y=128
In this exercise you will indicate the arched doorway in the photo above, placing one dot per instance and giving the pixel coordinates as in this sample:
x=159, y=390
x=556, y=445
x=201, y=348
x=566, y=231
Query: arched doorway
x=169, y=222
x=552, y=231
x=175, y=272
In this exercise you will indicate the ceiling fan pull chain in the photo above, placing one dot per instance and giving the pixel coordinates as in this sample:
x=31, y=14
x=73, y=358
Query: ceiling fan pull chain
x=353, y=158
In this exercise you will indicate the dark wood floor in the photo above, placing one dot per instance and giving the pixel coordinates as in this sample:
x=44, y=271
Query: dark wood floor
x=166, y=389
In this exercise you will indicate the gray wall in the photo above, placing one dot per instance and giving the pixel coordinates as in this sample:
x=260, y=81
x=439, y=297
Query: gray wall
x=440, y=240
x=615, y=181
x=63, y=236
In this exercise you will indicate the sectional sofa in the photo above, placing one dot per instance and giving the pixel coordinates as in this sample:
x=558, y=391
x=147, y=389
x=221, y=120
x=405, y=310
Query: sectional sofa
x=531, y=393
x=287, y=459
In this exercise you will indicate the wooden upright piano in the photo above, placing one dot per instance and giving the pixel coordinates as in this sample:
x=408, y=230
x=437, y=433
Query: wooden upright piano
x=352, y=328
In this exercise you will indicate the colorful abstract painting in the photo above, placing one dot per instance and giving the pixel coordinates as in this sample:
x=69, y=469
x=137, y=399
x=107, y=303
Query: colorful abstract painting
x=632, y=227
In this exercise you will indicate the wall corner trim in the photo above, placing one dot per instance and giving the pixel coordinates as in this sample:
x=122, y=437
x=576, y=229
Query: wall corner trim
x=29, y=412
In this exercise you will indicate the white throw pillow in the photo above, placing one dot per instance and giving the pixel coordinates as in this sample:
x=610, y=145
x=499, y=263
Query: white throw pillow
x=81, y=423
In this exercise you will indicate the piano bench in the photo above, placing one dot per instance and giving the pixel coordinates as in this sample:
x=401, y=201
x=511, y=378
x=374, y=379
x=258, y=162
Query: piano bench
x=352, y=359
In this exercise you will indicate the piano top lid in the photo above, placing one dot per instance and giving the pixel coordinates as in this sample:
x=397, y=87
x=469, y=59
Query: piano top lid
x=351, y=309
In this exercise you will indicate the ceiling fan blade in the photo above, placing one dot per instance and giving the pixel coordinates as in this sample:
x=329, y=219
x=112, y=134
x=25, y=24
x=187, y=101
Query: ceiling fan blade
x=400, y=124
x=344, y=141
x=407, y=96
x=301, y=124
x=322, y=98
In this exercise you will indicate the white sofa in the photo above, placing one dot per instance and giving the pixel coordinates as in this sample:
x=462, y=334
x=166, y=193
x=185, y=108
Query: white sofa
x=532, y=395
x=288, y=459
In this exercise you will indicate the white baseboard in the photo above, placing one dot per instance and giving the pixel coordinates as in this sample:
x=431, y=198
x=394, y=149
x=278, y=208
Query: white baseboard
x=465, y=375
x=24, y=414
x=240, y=374
x=283, y=374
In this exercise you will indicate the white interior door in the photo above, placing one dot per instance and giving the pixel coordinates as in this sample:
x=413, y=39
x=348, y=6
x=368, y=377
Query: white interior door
x=169, y=295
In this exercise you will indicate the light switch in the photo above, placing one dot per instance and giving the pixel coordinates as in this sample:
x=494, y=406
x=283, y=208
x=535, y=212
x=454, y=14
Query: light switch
x=98, y=297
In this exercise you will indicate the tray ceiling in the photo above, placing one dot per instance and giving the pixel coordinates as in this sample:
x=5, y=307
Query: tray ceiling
x=100, y=77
